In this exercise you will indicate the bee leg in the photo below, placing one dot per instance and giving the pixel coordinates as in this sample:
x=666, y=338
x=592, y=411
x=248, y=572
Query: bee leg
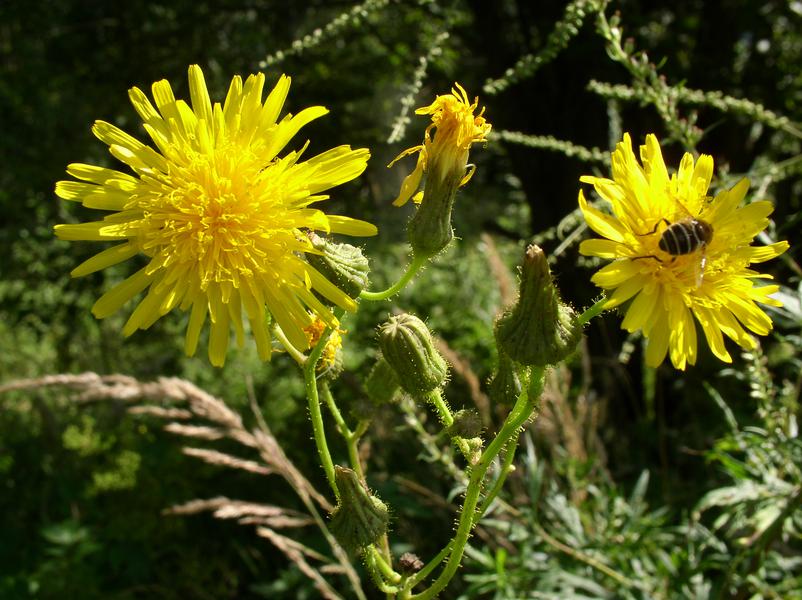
x=647, y=256
x=663, y=220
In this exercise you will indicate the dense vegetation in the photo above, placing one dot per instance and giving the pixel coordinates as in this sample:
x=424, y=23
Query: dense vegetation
x=634, y=482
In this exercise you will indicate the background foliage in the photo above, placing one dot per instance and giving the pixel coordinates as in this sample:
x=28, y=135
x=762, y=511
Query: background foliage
x=636, y=483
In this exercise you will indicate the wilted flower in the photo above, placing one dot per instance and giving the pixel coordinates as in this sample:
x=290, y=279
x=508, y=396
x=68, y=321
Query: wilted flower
x=455, y=129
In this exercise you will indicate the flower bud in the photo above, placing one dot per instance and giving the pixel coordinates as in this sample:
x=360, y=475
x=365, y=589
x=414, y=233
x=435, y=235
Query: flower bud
x=429, y=231
x=505, y=387
x=408, y=348
x=538, y=330
x=360, y=518
x=342, y=264
x=382, y=383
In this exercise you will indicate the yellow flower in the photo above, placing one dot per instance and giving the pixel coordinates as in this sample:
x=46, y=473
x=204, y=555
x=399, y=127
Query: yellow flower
x=455, y=128
x=654, y=219
x=217, y=214
x=334, y=343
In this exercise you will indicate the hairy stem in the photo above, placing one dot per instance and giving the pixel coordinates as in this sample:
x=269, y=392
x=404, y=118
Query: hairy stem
x=520, y=414
x=412, y=269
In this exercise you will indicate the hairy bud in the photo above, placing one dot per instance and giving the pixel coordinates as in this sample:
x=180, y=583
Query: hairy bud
x=505, y=387
x=342, y=264
x=538, y=330
x=360, y=518
x=382, y=384
x=408, y=348
x=467, y=424
x=430, y=230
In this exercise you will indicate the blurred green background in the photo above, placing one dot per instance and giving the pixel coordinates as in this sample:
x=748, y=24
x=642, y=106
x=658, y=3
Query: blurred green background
x=82, y=487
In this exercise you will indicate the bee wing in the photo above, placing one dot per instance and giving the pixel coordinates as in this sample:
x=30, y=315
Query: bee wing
x=700, y=268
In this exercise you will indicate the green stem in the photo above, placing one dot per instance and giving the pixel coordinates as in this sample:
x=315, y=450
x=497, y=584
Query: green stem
x=353, y=448
x=412, y=269
x=436, y=398
x=506, y=469
x=520, y=413
x=351, y=437
x=318, y=429
x=373, y=563
x=593, y=311
x=296, y=355
x=325, y=392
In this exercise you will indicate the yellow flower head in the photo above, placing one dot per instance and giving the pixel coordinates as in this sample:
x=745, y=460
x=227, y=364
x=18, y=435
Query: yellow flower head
x=313, y=333
x=446, y=143
x=218, y=216
x=679, y=255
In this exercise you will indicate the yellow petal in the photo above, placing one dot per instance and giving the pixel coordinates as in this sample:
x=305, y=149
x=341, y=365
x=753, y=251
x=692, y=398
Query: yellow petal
x=657, y=342
x=352, y=227
x=121, y=293
x=106, y=258
x=602, y=224
x=604, y=248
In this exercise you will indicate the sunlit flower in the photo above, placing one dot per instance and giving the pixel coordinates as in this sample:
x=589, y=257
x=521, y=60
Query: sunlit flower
x=446, y=143
x=656, y=218
x=218, y=216
x=313, y=333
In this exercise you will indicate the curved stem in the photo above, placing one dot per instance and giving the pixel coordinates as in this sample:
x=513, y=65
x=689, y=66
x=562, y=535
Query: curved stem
x=412, y=269
x=520, y=413
x=296, y=355
x=325, y=391
x=318, y=429
x=447, y=419
x=373, y=563
x=506, y=469
x=593, y=311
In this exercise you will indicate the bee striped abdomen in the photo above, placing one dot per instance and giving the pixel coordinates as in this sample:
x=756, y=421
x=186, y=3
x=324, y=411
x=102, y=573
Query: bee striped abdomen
x=686, y=236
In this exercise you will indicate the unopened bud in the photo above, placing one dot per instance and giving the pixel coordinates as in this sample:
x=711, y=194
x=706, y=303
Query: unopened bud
x=360, y=518
x=538, y=330
x=408, y=348
x=382, y=384
x=505, y=387
x=342, y=264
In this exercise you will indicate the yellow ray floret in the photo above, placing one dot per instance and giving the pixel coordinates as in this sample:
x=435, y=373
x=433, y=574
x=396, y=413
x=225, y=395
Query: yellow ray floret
x=447, y=141
x=671, y=280
x=217, y=213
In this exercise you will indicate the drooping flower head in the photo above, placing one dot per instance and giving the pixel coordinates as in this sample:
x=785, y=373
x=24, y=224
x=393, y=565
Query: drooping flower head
x=679, y=255
x=447, y=141
x=218, y=215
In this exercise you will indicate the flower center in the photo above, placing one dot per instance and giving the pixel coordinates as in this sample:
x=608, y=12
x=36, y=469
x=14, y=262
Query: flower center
x=219, y=215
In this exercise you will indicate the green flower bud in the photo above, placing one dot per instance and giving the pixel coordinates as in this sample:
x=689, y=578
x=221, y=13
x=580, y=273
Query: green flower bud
x=505, y=387
x=538, y=330
x=429, y=230
x=382, y=383
x=408, y=348
x=342, y=264
x=360, y=518
x=475, y=446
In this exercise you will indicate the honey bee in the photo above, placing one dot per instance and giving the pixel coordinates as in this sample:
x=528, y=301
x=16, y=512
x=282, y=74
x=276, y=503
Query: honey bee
x=686, y=236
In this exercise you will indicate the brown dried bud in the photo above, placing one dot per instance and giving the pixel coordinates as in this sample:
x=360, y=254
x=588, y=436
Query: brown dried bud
x=410, y=563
